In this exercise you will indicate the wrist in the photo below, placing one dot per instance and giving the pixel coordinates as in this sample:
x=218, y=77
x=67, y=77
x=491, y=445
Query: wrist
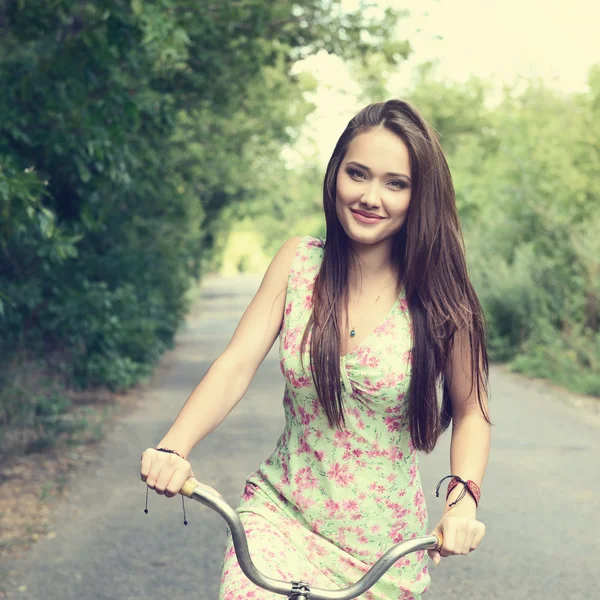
x=461, y=491
x=178, y=449
x=465, y=505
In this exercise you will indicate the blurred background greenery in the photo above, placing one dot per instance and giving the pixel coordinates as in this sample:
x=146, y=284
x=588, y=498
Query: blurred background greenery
x=146, y=144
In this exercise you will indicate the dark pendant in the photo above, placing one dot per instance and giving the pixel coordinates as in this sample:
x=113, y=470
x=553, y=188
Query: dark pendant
x=352, y=333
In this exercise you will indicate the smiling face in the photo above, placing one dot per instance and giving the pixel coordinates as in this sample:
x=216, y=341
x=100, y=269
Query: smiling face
x=374, y=179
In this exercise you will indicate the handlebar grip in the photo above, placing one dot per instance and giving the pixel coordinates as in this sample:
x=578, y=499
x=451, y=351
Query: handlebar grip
x=193, y=484
x=189, y=486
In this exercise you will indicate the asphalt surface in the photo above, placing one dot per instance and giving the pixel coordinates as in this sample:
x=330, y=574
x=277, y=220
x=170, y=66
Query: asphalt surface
x=540, y=498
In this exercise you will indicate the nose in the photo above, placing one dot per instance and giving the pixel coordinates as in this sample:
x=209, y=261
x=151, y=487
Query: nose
x=370, y=196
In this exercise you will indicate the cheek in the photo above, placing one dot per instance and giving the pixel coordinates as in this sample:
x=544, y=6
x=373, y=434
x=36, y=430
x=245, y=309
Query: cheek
x=345, y=189
x=399, y=204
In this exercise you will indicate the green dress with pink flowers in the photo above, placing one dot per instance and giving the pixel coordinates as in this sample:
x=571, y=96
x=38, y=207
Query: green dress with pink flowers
x=328, y=503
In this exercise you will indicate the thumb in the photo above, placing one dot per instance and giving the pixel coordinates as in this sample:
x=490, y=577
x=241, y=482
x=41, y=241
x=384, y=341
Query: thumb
x=435, y=555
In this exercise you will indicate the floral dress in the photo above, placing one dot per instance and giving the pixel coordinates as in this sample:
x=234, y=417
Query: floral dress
x=328, y=503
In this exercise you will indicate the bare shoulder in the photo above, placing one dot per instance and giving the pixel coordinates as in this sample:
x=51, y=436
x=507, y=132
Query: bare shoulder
x=261, y=322
x=281, y=264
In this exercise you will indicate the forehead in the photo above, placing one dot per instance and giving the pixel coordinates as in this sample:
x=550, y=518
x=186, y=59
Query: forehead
x=379, y=149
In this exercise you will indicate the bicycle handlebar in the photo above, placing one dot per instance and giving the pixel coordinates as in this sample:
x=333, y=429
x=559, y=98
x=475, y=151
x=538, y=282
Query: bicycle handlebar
x=209, y=497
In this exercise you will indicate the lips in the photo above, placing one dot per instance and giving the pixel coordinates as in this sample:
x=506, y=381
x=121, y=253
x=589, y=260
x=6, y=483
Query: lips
x=366, y=214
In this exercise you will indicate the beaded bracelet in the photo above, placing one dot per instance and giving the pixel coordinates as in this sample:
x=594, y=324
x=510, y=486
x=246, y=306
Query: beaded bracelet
x=469, y=486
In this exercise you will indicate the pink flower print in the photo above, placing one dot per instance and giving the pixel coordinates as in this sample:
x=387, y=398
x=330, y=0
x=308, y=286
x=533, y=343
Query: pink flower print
x=340, y=475
x=395, y=454
x=308, y=302
x=418, y=498
x=347, y=561
x=295, y=279
x=286, y=473
x=356, y=517
x=305, y=479
x=314, y=548
x=393, y=424
x=316, y=406
x=303, y=447
x=332, y=506
x=392, y=477
x=386, y=328
x=305, y=417
x=407, y=358
x=339, y=439
x=302, y=502
x=350, y=505
x=375, y=528
x=319, y=455
x=412, y=472
x=403, y=304
x=396, y=534
x=248, y=492
x=374, y=451
x=288, y=308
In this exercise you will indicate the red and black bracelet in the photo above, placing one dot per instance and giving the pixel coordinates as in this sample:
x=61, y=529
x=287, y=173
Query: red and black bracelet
x=469, y=486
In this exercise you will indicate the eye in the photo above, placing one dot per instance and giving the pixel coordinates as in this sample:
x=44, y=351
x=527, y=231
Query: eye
x=355, y=173
x=399, y=184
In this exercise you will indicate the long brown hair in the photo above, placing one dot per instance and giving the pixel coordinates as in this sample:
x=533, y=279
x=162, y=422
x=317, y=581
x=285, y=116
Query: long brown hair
x=430, y=257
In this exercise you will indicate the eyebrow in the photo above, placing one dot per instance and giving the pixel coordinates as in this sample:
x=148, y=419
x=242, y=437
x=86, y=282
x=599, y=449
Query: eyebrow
x=364, y=167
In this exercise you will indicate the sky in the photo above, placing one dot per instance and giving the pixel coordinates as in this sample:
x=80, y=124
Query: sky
x=500, y=40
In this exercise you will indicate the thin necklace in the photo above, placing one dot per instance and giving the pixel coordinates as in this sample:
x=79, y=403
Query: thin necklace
x=353, y=330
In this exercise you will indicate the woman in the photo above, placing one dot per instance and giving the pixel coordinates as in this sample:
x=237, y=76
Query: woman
x=373, y=323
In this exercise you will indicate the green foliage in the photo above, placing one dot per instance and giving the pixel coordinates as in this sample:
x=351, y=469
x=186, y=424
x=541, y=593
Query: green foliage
x=527, y=184
x=130, y=133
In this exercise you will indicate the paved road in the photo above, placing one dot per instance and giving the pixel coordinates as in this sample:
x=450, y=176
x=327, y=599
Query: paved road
x=540, y=497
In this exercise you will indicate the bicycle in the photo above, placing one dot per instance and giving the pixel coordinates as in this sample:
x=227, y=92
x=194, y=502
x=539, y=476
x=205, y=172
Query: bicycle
x=299, y=590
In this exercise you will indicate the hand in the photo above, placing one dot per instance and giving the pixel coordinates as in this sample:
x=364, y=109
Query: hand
x=462, y=534
x=164, y=473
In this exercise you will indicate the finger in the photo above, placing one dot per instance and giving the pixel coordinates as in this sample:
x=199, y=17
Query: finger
x=462, y=539
x=435, y=557
x=145, y=467
x=153, y=476
x=163, y=479
x=179, y=477
x=479, y=534
x=449, y=544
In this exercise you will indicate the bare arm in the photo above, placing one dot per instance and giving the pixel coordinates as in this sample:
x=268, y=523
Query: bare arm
x=470, y=445
x=469, y=452
x=227, y=379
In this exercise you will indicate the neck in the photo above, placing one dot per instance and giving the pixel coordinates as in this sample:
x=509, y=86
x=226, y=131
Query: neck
x=371, y=264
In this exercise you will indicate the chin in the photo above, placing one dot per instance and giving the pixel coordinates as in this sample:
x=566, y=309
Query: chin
x=363, y=237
